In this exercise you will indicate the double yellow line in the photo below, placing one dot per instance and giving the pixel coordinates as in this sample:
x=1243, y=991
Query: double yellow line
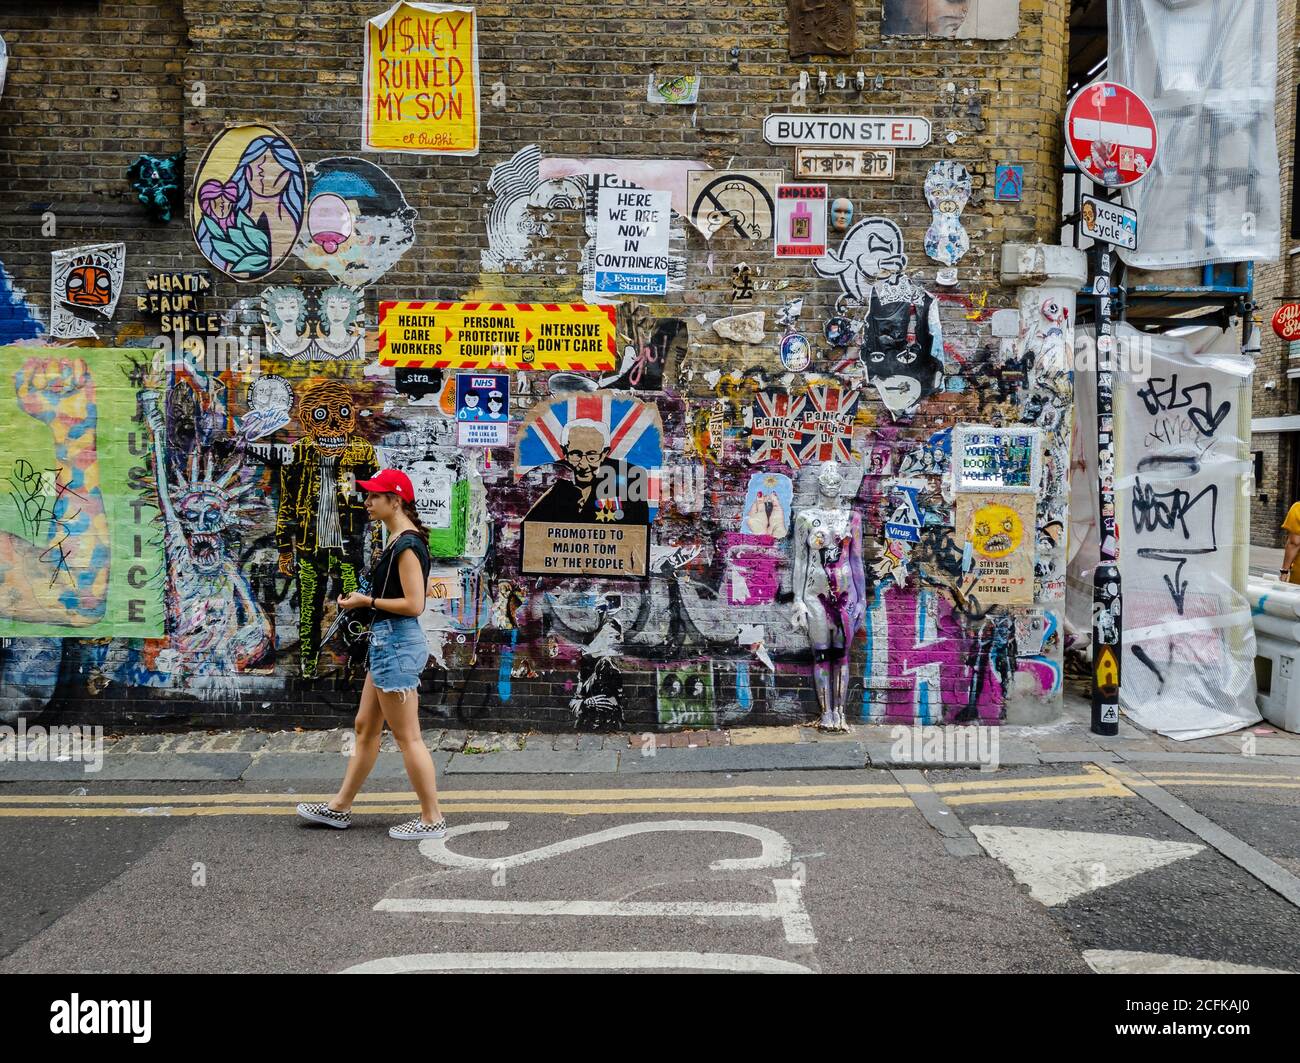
x=710, y=800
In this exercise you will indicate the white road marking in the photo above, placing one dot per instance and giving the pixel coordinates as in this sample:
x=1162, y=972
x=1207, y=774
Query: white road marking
x=577, y=961
x=1108, y=961
x=788, y=909
x=1058, y=865
x=776, y=850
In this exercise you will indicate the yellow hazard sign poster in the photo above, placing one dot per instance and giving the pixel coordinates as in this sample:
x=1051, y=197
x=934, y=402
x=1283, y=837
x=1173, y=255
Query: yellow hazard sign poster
x=421, y=81
x=501, y=336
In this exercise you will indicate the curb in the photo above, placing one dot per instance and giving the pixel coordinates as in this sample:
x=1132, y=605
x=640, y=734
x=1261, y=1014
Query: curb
x=837, y=755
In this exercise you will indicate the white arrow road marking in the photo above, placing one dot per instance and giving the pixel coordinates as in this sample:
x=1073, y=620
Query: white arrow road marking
x=776, y=850
x=577, y=961
x=1058, y=865
x=1107, y=961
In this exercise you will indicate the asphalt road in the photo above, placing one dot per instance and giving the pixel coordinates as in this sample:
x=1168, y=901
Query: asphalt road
x=823, y=871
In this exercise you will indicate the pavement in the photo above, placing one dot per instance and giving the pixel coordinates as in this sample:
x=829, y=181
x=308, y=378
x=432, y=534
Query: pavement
x=252, y=756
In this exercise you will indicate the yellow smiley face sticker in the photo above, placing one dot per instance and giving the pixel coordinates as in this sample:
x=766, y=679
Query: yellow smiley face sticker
x=997, y=530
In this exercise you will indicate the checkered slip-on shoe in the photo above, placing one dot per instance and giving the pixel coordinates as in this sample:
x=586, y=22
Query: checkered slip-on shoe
x=415, y=828
x=322, y=813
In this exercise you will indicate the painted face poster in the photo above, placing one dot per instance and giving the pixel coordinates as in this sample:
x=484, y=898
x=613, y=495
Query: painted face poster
x=958, y=19
x=632, y=241
x=1000, y=531
x=596, y=519
x=85, y=283
x=358, y=221
x=80, y=532
x=996, y=459
x=420, y=91
x=801, y=221
x=250, y=192
x=482, y=409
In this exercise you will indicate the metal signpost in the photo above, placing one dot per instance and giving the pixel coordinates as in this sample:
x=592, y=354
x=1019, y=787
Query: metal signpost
x=1111, y=135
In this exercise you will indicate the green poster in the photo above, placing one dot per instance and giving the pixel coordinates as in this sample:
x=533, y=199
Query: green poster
x=80, y=537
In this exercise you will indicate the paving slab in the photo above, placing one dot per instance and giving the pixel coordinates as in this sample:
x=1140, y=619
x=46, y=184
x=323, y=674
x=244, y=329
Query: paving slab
x=327, y=766
x=748, y=758
x=135, y=766
x=534, y=762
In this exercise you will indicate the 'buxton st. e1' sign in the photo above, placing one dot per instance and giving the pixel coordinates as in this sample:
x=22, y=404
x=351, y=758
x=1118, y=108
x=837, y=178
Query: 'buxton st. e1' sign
x=847, y=130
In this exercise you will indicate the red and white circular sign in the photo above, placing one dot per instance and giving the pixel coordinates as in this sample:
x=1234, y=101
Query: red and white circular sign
x=1286, y=321
x=1111, y=134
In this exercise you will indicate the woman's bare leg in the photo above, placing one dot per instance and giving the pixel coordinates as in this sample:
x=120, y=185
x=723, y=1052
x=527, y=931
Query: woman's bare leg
x=402, y=711
x=369, y=727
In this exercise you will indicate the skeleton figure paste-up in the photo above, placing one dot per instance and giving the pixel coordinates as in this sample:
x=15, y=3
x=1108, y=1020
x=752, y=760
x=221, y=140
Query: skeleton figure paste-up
x=830, y=590
x=321, y=522
x=901, y=342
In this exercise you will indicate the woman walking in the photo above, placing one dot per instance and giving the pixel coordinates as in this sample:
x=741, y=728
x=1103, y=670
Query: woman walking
x=398, y=654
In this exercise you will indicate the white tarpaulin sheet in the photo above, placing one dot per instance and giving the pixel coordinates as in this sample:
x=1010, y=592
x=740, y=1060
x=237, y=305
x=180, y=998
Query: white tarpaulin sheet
x=1181, y=468
x=1208, y=70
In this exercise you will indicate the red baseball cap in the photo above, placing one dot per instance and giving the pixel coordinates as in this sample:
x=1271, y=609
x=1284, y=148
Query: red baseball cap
x=390, y=480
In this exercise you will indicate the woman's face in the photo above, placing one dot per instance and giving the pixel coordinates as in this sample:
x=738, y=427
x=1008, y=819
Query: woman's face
x=337, y=310
x=268, y=176
x=220, y=207
x=381, y=505
x=287, y=310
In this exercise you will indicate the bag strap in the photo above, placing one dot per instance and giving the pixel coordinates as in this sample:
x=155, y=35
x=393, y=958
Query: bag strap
x=389, y=570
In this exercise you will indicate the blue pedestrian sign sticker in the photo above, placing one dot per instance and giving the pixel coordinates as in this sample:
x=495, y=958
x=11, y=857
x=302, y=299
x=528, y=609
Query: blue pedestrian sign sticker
x=482, y=409
x=1009, y=183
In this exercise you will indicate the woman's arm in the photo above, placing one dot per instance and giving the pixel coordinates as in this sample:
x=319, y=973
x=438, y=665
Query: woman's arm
x=413, y=588
x=1288, y=555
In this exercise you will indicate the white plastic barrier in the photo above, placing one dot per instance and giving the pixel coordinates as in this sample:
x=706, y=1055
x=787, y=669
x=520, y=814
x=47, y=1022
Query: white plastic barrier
x=1275, y=607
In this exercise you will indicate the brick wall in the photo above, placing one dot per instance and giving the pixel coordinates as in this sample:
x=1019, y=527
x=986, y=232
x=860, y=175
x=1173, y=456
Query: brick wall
x=92, y=86
x=1276, y=282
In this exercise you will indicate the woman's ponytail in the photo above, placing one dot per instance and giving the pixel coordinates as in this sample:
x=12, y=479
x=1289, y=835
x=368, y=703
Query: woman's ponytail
x=413, y=515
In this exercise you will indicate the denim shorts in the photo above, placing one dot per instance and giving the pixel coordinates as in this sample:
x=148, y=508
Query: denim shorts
x=398, y=653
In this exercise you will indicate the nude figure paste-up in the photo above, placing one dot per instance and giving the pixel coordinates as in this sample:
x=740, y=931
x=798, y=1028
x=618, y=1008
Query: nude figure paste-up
x=830, y=590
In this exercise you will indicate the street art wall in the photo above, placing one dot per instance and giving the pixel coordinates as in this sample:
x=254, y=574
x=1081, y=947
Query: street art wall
x=661, y=391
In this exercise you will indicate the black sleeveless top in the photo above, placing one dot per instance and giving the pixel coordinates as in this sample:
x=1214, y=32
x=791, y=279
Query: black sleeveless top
x=387, y=569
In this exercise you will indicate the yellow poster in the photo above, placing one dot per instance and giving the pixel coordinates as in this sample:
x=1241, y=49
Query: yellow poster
x=505, y=336
x=1000, y=531
x=421, y=81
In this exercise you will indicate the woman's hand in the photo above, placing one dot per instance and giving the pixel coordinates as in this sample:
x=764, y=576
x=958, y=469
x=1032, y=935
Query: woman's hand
x=354, y=600
x=799, y=617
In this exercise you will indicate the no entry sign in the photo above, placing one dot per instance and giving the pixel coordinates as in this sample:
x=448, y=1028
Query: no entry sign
x=1111, y=134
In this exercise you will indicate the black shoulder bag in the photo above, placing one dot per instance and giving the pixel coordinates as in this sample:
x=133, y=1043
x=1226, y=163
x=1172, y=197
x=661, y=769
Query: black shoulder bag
x=355, y=623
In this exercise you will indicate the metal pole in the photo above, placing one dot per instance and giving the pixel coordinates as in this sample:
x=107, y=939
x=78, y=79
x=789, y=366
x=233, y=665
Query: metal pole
x=1107, y=597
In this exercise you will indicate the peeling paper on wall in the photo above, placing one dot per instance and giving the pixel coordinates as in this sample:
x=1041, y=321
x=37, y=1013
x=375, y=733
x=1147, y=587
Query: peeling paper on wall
x=524, y=209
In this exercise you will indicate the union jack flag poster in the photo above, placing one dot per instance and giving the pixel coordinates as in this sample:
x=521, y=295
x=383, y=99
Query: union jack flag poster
x=828, y=416
x=633, y=430
x=775, y=423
